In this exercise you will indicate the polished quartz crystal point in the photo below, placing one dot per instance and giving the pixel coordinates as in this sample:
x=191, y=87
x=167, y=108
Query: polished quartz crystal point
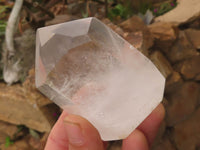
x=89, y=70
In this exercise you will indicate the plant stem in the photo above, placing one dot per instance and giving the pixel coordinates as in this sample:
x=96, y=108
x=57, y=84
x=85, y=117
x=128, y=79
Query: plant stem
x=10, y=28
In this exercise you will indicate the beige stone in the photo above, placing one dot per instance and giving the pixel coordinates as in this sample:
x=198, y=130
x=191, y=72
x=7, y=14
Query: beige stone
x=173, y=82
x=163, y=31
x=164, y=34
x=186, y=134
x=161, y=63
x=133, y=24
x=186, y=11
x=182, y=102
x=173, y=79
x=194, y=36
x=189, y=68
x=181, y=49
x=23, y=104
x=17, y=108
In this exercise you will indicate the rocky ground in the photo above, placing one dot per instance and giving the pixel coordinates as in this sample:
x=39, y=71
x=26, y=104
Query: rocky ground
x=172, y=42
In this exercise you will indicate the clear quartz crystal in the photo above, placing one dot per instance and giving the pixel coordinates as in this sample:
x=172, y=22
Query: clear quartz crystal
x=89, y=70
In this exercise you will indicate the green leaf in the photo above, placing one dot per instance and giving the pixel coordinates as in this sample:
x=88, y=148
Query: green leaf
x=8, y=142
x=120, y=10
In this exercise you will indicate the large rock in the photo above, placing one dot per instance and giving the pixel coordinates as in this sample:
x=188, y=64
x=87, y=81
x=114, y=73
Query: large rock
x=133, y=24
x=182, y=102
x=186, y=134
x=164, y=34
x=163, y=31
x=173, y=82
x=186, y=11
x=190, y=68
x=181, y=49
x=24, y=105
x=173, y=79
x=194, y=36
x=161, y=63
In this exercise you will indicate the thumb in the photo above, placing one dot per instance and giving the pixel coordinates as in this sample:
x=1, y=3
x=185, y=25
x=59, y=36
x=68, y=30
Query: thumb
x=81, y=134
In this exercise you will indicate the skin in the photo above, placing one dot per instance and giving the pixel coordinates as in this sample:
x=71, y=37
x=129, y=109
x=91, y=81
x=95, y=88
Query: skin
x=73, y=132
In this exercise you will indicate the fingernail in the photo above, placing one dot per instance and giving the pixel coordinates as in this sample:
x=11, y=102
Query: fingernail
x=74, y=132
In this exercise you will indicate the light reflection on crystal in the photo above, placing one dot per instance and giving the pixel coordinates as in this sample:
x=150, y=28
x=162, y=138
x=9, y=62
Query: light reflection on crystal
x=121, y=86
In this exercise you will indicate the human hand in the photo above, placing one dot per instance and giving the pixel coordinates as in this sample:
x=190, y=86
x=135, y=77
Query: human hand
x=73, y=132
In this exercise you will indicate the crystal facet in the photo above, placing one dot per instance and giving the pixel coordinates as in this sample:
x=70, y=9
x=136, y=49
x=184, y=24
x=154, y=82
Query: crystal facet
x=89, y=70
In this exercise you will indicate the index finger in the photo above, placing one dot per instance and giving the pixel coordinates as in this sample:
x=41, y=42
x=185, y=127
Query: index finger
x=57, y=139
x=151, y=124
x=143, y=136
